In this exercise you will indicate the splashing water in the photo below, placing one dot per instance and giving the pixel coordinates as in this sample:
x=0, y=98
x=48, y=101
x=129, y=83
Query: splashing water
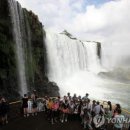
x=74, y=66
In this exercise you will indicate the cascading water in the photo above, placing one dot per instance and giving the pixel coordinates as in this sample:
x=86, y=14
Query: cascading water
x=17, y=18
x=74, y=65
x=93, y=61
x=29, y=51
x=66, y=56
x=71, y=63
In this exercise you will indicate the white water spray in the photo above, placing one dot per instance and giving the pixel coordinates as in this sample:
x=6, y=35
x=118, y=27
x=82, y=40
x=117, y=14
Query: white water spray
x=73, y=64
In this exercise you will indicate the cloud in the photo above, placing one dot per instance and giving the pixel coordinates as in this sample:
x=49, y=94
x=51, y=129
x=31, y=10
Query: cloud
x=107, y=22
x=54, y=14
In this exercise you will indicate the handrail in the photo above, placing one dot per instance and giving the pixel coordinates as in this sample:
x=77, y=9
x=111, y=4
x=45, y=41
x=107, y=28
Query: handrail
x=123, y=109
x=126, y=111
x=11, y=103
x=15, y=102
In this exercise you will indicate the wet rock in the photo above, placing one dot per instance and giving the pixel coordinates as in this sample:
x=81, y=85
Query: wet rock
x=33, y=36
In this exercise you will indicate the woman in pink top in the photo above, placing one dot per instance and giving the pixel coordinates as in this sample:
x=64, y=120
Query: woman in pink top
x=54, y=114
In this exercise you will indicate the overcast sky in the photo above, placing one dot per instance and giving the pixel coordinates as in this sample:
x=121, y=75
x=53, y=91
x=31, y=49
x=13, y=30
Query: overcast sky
x=107, y=21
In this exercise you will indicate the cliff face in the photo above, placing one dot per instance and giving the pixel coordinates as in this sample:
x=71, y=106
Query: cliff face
x=36, y=60
x=8, y=71
x=99, y=50
x=33, y=36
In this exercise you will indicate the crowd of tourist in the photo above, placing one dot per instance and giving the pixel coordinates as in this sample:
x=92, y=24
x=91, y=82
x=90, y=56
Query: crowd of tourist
x=81, y=108
x=91, y=114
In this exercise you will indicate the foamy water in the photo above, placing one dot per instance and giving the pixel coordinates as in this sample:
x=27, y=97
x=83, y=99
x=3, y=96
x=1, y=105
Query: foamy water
x=74, y=66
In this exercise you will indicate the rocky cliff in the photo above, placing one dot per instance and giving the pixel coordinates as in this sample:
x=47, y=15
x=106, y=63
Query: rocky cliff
x=33, y=36
x=8, y=71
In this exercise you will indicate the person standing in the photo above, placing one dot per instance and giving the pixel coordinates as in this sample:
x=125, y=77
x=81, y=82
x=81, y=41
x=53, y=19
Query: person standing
x=25, y=105
x=109, y=109
x=4, y=109
x=65, y=111
x=85, y=98
x=93, y=106
x=68, y=96
x=119, y=118
x=97, y=109
x=34, y=102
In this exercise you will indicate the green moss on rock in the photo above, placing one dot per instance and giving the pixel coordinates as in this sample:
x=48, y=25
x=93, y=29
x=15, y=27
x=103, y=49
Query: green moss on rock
x=35, y=55
x=8, y=69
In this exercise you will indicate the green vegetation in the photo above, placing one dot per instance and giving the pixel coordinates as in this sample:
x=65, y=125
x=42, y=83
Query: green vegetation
x=34, y=49
x=8, y=68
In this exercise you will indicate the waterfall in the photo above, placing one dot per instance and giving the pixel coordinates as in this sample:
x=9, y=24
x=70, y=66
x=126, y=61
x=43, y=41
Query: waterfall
x=18, y=27
x=93, y=60
x=64, y=55
x=73, y=64
x=29, y=51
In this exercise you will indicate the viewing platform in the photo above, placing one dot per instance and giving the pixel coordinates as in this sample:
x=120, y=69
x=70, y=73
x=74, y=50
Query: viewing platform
x=40, y=122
